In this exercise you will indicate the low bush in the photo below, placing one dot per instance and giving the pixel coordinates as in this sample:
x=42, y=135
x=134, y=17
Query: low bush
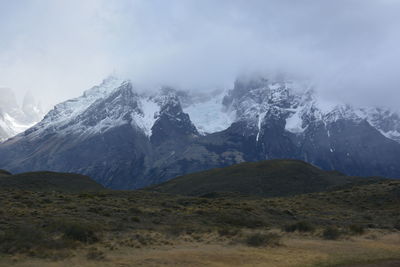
x=77, y=230
x=135, y=210
x=175, y=230
x=357, y=229
x=95, y=255
x=21, y=239
x=241, y=220
x=331, y=233
x=397, y=226
x=228, y=231
x=30, y=239
x=263, y=240
x=301, y=226
x=135, y=219
x=82, y=233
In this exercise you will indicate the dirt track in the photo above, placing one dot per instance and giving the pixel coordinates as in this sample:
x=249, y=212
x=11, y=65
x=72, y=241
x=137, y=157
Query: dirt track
x=394, y=263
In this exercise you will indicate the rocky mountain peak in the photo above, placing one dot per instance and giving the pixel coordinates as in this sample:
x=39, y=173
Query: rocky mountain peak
x=172, y=122
x=128, y=138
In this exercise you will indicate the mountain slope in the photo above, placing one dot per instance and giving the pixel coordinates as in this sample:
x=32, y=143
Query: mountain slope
x=126, y=138
x=270, y=178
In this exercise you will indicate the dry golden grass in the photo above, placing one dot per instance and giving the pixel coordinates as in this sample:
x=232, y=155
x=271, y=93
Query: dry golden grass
x=138, y=228
x=296, y=250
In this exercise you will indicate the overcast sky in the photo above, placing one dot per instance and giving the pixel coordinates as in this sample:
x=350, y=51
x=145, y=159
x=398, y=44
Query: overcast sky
x=349, y=48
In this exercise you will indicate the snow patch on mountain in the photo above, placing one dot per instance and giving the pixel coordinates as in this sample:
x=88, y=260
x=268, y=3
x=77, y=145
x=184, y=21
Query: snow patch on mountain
x=294, y=123
x=150, y=110
x=394, y=135
x=15, y=126
x=210, y=116
x=261, y=118
x=101, y=127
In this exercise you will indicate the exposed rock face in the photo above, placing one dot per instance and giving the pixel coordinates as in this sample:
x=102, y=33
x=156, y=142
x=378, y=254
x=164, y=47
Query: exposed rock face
x=127, y=139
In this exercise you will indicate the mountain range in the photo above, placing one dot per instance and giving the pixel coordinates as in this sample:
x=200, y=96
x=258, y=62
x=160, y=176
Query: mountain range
x=127, y=138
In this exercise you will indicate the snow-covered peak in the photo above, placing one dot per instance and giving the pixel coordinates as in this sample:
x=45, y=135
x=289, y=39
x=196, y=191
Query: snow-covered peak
x=67, y=111
x=167, y=98
x=103, y=89
x=258, y=101
x=383, y=119
x=112, y=103
x=15, y=119
x=345, y=112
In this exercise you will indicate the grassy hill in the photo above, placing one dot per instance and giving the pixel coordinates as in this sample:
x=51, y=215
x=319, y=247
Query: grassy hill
x=4, y=172
x=270, y=178
x=48, y=181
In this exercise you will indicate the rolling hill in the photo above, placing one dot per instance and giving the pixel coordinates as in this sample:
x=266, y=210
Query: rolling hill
x=48, y=181
x=271, y=178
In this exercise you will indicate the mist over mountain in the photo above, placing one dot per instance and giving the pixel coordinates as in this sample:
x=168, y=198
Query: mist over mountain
x=349, y=49
x=128, y=138
x=15, y=118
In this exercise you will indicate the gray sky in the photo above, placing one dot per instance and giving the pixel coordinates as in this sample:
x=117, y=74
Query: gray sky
x=56, y=49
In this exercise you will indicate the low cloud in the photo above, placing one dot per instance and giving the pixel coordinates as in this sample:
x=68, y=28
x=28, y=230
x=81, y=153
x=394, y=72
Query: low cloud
x=349, y=48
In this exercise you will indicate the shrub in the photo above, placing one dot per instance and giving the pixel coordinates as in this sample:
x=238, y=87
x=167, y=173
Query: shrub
x=397, y=226
x=77, y=230
x=263, y=240
x=175, y=230
x=135, y=210
x=357, y=229
x=95, y=255
x=21, y=239
x=135, y=219
x=80, y=232
x=27, y=238
x=241, y=220
x=331, y=233
x=86, y=195
x=96, y=210
x=301, y=226
x=227, y=231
